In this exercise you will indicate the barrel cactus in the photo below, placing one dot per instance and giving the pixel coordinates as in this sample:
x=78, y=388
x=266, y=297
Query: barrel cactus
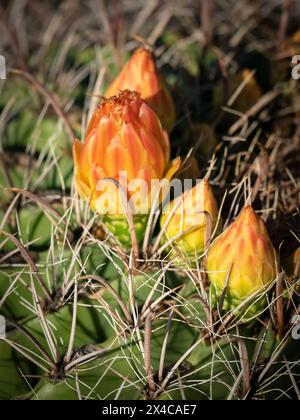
x=113, y=289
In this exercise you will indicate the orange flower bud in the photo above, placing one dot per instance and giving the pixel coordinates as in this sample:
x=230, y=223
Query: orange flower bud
x=243, y=259
x=195, y=216
x=141, y=75
x=124, y=144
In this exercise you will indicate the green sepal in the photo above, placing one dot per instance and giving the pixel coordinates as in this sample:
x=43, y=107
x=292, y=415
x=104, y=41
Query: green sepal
x=255, y=306
x=118, y=226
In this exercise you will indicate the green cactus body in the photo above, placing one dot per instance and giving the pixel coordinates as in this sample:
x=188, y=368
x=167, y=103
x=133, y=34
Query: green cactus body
x=82, y=318
x=119, y=228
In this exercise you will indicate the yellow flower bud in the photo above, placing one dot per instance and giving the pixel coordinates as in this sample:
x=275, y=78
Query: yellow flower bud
x=243, y=259
x=195, y=216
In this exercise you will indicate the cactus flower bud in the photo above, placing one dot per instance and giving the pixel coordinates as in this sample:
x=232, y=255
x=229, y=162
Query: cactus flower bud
x=242, y=260
x=194, y=212
x=141, y=75
x=124, y=150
